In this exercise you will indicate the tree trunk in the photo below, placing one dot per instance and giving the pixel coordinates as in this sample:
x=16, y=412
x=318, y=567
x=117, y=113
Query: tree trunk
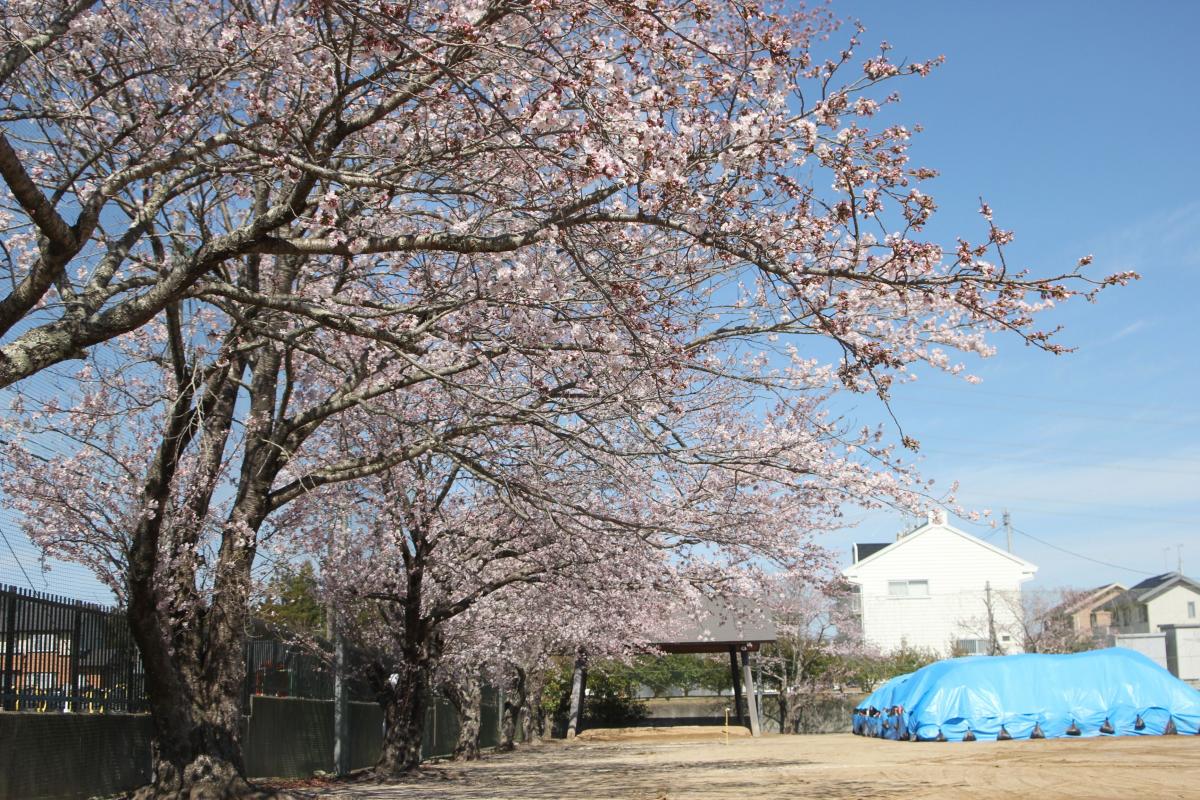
x=514, y=704
x=403, y=722
x=404, y=696
x=465, y=695
x=785, y=707
x=194, y=679
x=533, y=721
x=791, y=712
x=197, y=752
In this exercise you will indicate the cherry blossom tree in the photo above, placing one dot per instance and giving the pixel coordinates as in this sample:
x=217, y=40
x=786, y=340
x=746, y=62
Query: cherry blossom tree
x=310, y=243
x=445, y=580
x=148, y=147
x=1042, y=623
x=819, y=642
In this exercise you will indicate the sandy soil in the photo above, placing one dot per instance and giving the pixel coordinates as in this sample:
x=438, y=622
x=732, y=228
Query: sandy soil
x=673, y=764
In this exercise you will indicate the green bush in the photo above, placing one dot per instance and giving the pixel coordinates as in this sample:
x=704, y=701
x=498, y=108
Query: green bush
x=611, y=695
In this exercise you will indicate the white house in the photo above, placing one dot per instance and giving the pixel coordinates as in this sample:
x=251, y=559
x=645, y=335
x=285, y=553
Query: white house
x=940, y=589
x=1168, y=599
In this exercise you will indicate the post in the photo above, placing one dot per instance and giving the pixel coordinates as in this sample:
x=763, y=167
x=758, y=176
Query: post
x=758, y=690
x=578, y=694
x=10, y=648
x=131, y=654
x=751, y=698
x=1008, y=529
x=737, y=685
x=341, y=708
x=341, y=711
x=76, y=642
x=993, y=639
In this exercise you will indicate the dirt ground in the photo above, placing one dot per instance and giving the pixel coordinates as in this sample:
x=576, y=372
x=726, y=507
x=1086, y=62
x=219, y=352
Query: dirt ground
x=670, y=764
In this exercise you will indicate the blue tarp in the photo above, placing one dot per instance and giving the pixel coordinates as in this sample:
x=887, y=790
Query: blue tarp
x=1114, y=691
x=870, y=716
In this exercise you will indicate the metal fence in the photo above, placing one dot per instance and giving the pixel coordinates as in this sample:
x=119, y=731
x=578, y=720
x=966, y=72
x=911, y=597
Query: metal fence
x=278, y=669
x=58, y=654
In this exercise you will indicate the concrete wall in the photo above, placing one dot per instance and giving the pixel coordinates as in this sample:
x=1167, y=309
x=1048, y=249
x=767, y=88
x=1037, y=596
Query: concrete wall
x=830, y=714
x=59, y=756
x=55, y=756
x=664, y=712
x=1151, y=645
x=1183, y=651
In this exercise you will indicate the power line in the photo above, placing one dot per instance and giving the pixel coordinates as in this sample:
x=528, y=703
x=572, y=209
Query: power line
x=16, y=559
x=1081, y=555
x=1189, y=523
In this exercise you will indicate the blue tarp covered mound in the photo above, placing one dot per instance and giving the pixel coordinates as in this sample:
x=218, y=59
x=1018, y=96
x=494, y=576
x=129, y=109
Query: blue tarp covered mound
x=1104, y=692
x=869, y=716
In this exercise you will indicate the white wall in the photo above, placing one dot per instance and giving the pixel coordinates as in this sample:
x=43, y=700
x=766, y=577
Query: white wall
x=958, y=568
x=1170, y=607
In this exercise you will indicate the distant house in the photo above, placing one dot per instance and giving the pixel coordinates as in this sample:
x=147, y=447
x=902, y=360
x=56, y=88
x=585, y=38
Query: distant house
x=940, y=589
x=1171, y=598
x=1087, y=611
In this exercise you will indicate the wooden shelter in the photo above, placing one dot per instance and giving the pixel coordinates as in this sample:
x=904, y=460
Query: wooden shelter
x=721, y=626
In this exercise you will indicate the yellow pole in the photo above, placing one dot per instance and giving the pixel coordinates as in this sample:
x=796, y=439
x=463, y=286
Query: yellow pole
x=726, y=724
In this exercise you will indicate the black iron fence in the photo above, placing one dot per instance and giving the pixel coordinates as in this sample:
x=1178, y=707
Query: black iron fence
x=58, y=654
x=276, y=668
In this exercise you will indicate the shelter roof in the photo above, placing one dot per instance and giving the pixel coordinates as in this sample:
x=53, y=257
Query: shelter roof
x=716, y=626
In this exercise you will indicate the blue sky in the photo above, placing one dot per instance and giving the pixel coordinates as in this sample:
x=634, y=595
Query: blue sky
x=1077, y=123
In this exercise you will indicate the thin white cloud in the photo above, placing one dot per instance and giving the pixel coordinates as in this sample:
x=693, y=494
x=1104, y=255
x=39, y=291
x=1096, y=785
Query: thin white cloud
x=1128, y=330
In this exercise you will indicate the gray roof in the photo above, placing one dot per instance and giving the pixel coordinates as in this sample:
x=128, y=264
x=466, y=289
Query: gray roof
x=1150, y=588
x=720, y=624
x=867, y=549
x=1160, y=583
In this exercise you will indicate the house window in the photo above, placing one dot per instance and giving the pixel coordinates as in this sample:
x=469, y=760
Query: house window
x=1145, y=613
x=972, y=647
x=1191, y=609
x=908, y=588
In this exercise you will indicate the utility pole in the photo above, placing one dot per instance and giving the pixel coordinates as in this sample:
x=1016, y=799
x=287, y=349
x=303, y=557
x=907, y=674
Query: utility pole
x=341, y=710
x=1179, y=558
x=1008, y=528
x=993, y=639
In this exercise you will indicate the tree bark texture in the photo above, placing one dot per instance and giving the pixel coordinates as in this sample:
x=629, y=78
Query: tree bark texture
x=194, y=680
x=403, y=690
x=404, y=706
x=510, y=714
x=533, y=719
x=465, y=694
